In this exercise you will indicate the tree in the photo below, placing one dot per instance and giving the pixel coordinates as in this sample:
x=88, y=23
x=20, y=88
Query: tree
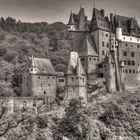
x=74, y=124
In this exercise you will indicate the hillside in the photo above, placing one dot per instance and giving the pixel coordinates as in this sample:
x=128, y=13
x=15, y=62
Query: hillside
x=20, y=40
x=114, y=119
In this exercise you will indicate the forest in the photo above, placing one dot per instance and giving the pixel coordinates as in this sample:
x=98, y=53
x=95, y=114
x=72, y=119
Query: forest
x=19, y=41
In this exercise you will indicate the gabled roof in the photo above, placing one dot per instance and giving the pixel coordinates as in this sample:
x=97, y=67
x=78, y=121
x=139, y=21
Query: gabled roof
x=44, y=66
x=99, y=21
x=88, y=47
x=75, y=67
x=127, y=23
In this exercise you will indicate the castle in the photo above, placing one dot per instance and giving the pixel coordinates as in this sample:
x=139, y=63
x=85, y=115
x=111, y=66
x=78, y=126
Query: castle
x=105, y=47
x=116, y=35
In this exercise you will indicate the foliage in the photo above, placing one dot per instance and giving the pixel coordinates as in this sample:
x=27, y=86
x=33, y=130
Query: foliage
x=75, y=122
x=20, y=40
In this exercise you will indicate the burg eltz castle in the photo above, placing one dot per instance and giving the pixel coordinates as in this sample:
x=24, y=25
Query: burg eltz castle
x=104, y=47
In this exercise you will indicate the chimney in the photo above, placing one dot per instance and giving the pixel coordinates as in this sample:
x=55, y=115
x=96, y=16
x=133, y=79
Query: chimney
x=103, y=12
x=111, y=17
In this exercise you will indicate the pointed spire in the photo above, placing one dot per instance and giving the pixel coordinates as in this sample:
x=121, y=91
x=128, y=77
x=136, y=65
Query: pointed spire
x=71, y=19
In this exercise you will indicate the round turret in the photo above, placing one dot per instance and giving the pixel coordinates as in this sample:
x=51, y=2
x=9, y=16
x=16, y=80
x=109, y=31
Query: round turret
x=119, y=33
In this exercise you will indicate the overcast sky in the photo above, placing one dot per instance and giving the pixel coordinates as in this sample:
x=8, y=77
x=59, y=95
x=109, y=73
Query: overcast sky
x=58, y=10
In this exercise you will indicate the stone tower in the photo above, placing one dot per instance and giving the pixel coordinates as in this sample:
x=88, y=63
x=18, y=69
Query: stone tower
x=89, y=57
x=76, y=78
x=110, y=73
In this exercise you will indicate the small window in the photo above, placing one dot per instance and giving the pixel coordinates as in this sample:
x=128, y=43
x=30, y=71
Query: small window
x=107, y=45
x=124, y=62
x=103, y=44
x=38, y=77
x=132, y=54
x=103, y=53
x=72, y=79
x=31, y=69
x=100, y=66
x=129, y=71
x=83, y=79
x=82, y=59
x=126, y=71
x=138, y=46
x=126, y=45
x=125, y=53
x=89, y=59
x=101, y=75
x=133, y=71
x=106, y=35
x=61, y=80
x=41, y=85
x=129, y=62
x=48, y=77
x=133, y=63
x=53, y=77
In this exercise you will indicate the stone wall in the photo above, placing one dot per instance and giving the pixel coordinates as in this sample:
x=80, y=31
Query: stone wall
x=42, y=85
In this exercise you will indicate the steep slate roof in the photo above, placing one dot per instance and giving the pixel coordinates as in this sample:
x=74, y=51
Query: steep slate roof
x=80, y=20
x=44, y=66
x=71, y=19
x=99, y=21
x=75, y=67
x=127, y=23
x=79, y=68
x=88, y=47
